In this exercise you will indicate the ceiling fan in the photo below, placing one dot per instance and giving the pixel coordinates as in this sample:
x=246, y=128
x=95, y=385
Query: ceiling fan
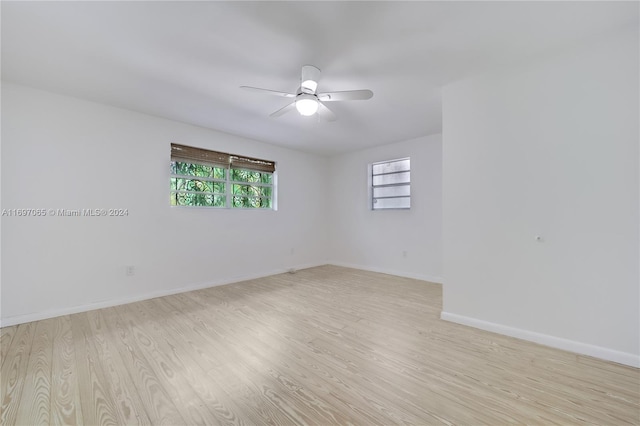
x=308, y=101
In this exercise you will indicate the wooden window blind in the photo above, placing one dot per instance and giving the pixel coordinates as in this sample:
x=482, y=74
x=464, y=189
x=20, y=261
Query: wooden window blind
x=220, y=159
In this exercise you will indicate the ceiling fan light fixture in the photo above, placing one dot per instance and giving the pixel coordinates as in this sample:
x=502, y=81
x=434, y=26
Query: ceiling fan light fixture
x=307, y=106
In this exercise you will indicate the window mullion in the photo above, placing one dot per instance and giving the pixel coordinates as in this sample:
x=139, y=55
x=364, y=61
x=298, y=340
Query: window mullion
x=202, y=178
x=227, y=187
x=388, y=185
x=391, y=173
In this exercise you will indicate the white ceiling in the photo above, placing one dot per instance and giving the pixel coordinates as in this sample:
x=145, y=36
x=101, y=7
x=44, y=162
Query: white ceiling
x=186, y=60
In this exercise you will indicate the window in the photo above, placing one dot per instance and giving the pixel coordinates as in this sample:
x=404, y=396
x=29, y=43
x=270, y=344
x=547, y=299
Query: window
x=391, y=184
x=204, y=178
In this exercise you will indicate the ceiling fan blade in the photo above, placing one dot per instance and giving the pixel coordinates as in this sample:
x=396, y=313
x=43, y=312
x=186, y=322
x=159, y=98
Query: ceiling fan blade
x=271, y=92
x=348, y=95
x=309, y=79
x=285, y=109
x=325, y=112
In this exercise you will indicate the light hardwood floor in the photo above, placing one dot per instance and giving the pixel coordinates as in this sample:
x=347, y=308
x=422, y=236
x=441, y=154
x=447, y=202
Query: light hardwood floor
x=326, y=345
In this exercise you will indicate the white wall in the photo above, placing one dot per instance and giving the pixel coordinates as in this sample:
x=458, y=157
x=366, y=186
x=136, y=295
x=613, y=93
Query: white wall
x=376, y=240
x=61, y=152
x=549, y=150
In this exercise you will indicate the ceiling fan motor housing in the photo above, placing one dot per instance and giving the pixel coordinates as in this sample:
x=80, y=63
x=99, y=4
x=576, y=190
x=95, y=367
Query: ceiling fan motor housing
x=309, y=79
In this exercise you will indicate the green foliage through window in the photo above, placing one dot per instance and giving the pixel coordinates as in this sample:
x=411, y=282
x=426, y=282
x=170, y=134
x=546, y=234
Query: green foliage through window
x=195, y=184
x=239, y=175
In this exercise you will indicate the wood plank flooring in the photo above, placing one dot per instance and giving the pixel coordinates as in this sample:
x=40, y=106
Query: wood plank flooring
x=324, y=346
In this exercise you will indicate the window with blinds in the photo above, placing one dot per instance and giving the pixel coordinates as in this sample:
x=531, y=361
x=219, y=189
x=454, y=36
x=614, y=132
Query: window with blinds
x=204, y=178
x=391, y=184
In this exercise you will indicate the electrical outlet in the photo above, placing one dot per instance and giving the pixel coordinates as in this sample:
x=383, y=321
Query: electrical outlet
x=130, y=270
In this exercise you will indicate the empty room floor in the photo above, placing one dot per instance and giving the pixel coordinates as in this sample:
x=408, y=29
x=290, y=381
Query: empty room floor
x=327, y=345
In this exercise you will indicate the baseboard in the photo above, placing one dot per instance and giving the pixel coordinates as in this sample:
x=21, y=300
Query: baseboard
x=37, y=316
x=547, y=340
x=422, y=277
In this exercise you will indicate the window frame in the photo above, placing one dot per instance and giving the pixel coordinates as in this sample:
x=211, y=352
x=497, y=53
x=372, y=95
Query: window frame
x=225, y=162
x=371, y=187
x=272, y=185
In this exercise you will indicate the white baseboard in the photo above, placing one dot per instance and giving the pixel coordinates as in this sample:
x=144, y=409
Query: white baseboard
x=37, y=316
x=422, y=277
x=547, y=340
